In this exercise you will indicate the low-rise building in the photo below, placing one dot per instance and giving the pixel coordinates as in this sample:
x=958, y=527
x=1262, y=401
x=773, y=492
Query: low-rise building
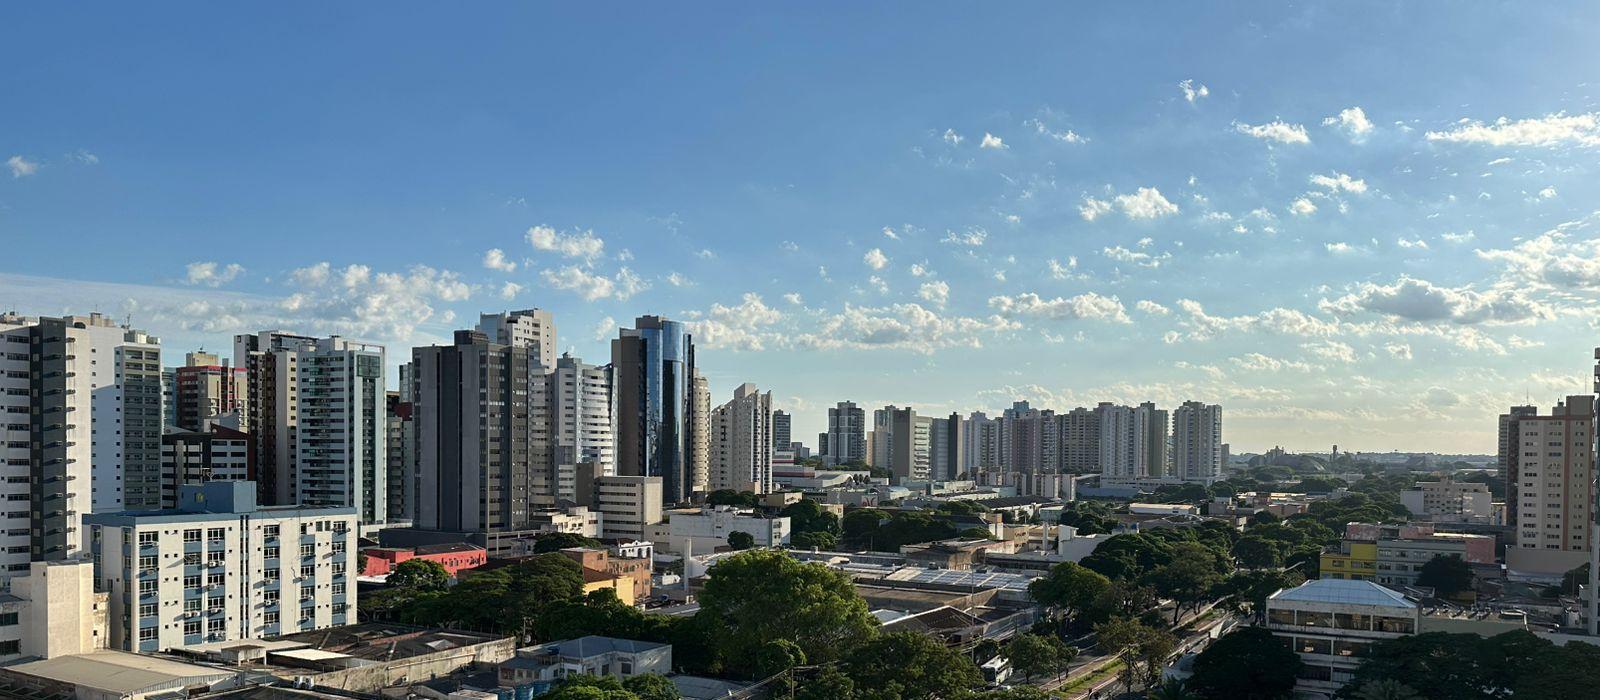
x=1448, y=500
x=1352, y=560
x=700, y=530
x=1332, y=623
x=574, y=520
x=218, y=567
x=53, y=610
x=455, y=557
x=540, y=666
x=636, y=570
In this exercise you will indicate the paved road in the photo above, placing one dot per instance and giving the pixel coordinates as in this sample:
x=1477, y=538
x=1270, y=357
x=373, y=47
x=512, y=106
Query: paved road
x=1091, y=660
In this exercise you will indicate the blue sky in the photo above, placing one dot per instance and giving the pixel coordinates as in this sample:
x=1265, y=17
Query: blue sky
x=1352, y=223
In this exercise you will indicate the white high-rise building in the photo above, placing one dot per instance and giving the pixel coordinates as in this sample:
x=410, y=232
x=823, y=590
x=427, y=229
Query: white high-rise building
x=579, y=405
x=1556, y=471
x=124, y=368
x=982, y=437
x=1197, y=441
x=340, y=446
x=534, y=329
x=219, y=568
x=741, y=442
x=1124, y=441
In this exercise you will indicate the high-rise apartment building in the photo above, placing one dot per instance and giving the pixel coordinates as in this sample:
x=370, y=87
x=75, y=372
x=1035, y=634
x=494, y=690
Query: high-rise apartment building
x=781, y=430
x=1506, y=457
x=534, y=329
x=657, y=407
x=45, y=414
x=579, y=405
x=207, y=387
x=124, y=368
x=1161, y=463
x=218, y=453
x=1556, y=489
x=947, y=448
x=1022, y=438
x=699, y=469
x=846, y=439
x=1124, y=441
x=271, y=400
x=220, y=568
x=741, y=442
x=982, y=437
x=901, y=442
x=1079, y=436
x=1197, y=441
x=400, y=432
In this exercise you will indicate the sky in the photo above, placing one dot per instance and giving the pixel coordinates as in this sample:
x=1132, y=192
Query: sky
x=1364, y=224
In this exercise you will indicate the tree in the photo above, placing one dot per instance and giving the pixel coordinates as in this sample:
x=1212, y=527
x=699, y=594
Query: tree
x=909, y=666
x=1171, y=689
x=1188, y=579
x=1245, y=664
x=508, y=599
x=828, y=684
x=975, y=533
x=418, y=575
x=651, y=686
x=730, y=497
x=586, y=687
x=760, y=595
x=1574, y=578
x=556, y=541
x=1258, y=552
x=814, y=540
x=807, y=515
x=1068, y=588
x=1125, y=639
x=1447, y=575
x=1386, y=689
x=1041, y=655
x=740, y=540
x=1248, y=590
x=777, y=656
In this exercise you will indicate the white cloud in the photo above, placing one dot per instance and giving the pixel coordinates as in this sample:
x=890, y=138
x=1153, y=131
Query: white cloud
x=21, y=167
x=1152, y=308
x=992, y=141
x=790, y=246
x=1193, y=91
x=1551, y=130
x=1547, y=193
x=1331, y=350
x=743, y=326
x=920, y=269
x=878, y=283
x=1088, y=305
x=1136, y=257
x=1146, y=203
x=1302, y=207
x=875, y=259
x=890, y=234
x=1068, y=136
x=1453, y=237
x=1418, y=243
x=593, y=286
x=1063, y=271
x=1340, y=181
x=583, y=244
x=971, y=237
x=1412, y=299
x=953, y=138
x=495, y=259
x=1353, y=122
x=1258, y=362
x=604, y=328
x=211, y=274
x=793, y=298
x=1553, y=259
x=1276, y=131
x=510, y=290
x=1339, y=248
x=1398, y=351
x=84, y=157
x=678, y=280
x=1092, y=208
x=909, y=327
x=936, y=292
x=1203, y=326
x=705, y=254
x=358, y=302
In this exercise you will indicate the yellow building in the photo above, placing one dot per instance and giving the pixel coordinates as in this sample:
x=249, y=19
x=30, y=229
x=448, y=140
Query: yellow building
x=1355, y=561
x=594, y=580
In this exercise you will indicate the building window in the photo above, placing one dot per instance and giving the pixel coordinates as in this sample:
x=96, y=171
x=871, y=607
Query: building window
x=339, y=608
x=270, y=532
x=191, y=535
x=147, y=539
x=191, y=559
x=191, y=627
x=191, y=605
x=147, y=610
x=308, y=570
x=338, y=589
x=147, y=565
x=8, y=619
x=270, y=618
x=216, y=534
x=270, y=597
x=307, y=550
x=147, y=587
x=270, y=574
x=191, y=582
x=269, y=552
x=147, y=634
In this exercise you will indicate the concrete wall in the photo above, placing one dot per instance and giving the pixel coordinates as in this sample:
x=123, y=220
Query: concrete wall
x=370, y=679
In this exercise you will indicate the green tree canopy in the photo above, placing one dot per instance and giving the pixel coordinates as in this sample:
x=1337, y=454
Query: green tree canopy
x=586, y=687
x=1447, y=575
x=739, y=540
x=1039, y=655
x=651, y=686
x=1256, y=552
x=1245, y=664
x=814, y=540
x=1069, y=588
x=909, y=666
x=807, y=515
x=756, y=596
x=730, y=497
x=556, y=541
x=417, y=575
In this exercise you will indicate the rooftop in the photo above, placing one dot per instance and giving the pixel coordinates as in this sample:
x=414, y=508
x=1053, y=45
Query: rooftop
x=121, y=672
x=1343, y=592
x=592, y=645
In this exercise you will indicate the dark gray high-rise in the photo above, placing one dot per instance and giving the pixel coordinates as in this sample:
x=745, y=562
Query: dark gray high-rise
x=654, y=371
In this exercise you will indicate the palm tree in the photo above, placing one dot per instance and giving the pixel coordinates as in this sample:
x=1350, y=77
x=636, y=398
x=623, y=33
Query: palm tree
x=1387, y=689
x=1171, y=689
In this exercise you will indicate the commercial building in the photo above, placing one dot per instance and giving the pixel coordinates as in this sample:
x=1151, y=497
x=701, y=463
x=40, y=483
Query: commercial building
x=658, y=414
x=1197, y=442
x=782, y=430
x=1124, y=441
x=455, y=557
x=628, y=505
x=45, y=457
x=1332, y=624
x=1078, y=434
x=982, y=437
x=741, y=442
x=533, y=329
x=207, y=387
x=1448, y=500
x=901, y=442
x=214, y=453
x=846, y=439
x=542, y=665
x=218, y=567
x=1555, y=494
x=1162, y=462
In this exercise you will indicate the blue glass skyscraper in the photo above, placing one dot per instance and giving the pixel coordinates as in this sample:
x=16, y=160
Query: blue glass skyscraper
x=654, y=379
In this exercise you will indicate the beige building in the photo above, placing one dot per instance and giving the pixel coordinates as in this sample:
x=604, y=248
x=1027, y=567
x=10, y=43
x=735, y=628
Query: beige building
x=1448, y=500
x=627, y=505
x=1555, y=490
x=741, y=442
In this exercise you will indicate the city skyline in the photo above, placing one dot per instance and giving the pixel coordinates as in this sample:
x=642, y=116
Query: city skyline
x=1296, y=213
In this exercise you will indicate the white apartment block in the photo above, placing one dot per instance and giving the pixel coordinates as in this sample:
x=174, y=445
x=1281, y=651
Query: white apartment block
x=628, y=505
x=1197, y=442
x=1124, y=443
x=45, y=453
x=741, y=442
x=1448, y=500
x=124, y=371
x=1555, y=490
x=219, y=568
x=534, y=329
x=580, y=412
x=340, y=440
